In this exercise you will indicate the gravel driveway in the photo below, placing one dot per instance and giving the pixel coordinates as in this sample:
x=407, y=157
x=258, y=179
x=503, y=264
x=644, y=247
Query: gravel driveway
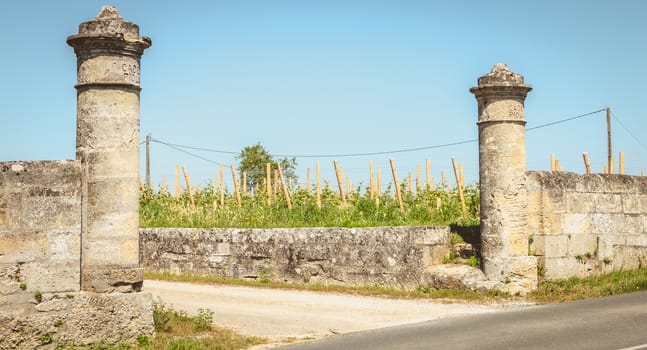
x=282, y=314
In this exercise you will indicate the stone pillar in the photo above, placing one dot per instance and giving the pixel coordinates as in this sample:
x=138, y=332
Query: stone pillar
x=108, y=51
x=502, y=180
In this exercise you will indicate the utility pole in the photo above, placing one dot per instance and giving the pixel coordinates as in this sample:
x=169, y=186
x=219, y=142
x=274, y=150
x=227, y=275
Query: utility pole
x=148, y=162
x=609, y=152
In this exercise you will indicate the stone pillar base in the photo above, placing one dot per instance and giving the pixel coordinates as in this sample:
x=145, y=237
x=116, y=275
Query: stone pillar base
x=123, y=280
x=519, y=274
x=78, y=320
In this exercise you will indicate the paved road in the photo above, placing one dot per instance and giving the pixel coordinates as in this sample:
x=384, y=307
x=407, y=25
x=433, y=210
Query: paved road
x=280, y=314
x=617, y=322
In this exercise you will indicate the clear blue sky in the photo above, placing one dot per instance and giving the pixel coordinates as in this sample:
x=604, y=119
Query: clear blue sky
x=337, y=77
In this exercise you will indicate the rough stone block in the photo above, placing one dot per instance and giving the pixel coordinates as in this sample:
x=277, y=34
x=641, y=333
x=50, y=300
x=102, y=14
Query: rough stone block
x=518, y=245
x=621, y=184
x=633, y=224
x=576, y=223
x=520, y=276
x=534, y=203
x=554, y=201
x=582, y=244
x=607, y=223
x=637, y=240
x=108, y=132
x=48, y=277
x=103, y=252
x=102, y=280
x=591, y=183
x=538, y=245
x=552, y=223
x=608, y=243
x=630, y=257
x=555, y=246
x=78, y=320
x=579, y=203
x=606, y=203
x=560, y=268
x=54, y=209
x=636, y=204
x=535, y=224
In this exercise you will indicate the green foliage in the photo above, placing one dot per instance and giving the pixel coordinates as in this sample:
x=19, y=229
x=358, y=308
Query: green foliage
x=23, y=286
x=143, y=340
x=574, y=288
x=437, y=207
x=177, y=330
x=474, y=261
x=45, y=338
x=38, y=296
x=253, y=159
x=161, y=316
x=203, y=320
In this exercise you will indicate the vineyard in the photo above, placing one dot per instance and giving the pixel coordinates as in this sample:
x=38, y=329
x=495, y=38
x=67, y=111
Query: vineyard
x=360, y=207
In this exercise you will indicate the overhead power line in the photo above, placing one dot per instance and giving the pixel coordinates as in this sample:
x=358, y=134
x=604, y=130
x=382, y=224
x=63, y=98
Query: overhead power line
x=177, y=148
x=628, y=130
x=566, y=120
x=182, y=148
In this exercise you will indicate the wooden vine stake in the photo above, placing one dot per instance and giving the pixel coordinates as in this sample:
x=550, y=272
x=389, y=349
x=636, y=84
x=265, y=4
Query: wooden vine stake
x=552, y=162
x=428, y=177
x=178, y=188
x=371, y=180
x=460, y=189
x=244, y=182
x=443, y=180
x=587, y=162
x=215, y=190
x=268, y=182
x=308, y=180
x=285, y=188
x=461, y=173
x=236, y=187
x=417, y=180
x=141, y=186
x=163, y=187
x=621, y=164
x=397, y=184
x=222, y=185
x=188, y=186
x=339, y=182
x=318, y=184
x=378, y=187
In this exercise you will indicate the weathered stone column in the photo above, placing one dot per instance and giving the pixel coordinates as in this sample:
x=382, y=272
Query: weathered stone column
x=108, y=51
x=502, y=179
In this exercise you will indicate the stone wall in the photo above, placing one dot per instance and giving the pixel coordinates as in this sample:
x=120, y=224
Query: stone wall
x=587, y=224
x=388, y=256
x=40, y=228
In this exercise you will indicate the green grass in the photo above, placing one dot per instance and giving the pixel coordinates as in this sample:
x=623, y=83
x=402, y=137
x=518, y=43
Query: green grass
x=175, y=330
x=575, y=288
x=439, y=207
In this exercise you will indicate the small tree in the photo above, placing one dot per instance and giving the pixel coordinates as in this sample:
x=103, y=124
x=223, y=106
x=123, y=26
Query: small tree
x=252, y=160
